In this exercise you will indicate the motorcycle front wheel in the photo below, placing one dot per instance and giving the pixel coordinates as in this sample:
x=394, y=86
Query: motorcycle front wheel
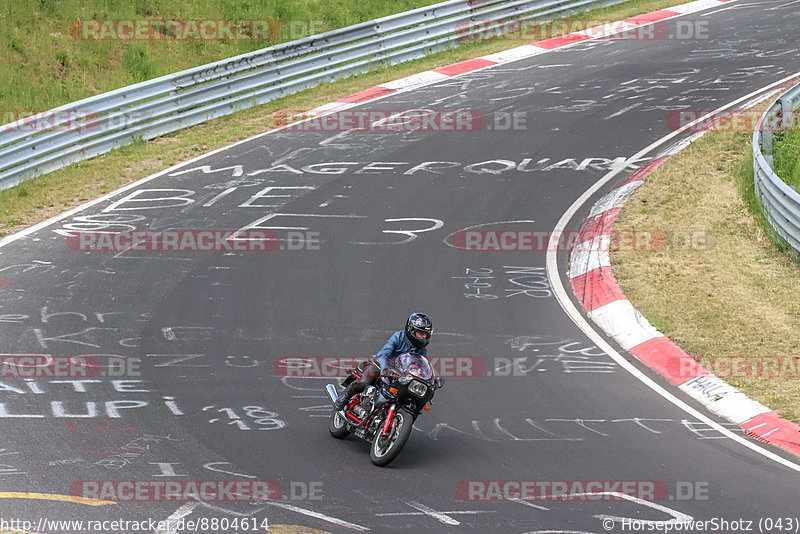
x=384, y=449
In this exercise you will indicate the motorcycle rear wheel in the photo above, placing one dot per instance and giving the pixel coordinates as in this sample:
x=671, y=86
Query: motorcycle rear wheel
x=338, y=426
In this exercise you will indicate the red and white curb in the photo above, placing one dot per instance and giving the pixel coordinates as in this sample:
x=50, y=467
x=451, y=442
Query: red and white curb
x=513, y=54
x=590, y=269
x=594, y=285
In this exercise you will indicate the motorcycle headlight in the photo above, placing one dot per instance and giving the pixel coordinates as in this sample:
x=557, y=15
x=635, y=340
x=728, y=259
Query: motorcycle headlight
x=417, y=388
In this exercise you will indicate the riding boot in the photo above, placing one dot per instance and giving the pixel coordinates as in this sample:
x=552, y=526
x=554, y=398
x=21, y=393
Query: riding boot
x=344, y=398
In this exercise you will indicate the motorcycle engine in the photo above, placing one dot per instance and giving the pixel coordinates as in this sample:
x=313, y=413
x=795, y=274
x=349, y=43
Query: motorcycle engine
x=362, y=409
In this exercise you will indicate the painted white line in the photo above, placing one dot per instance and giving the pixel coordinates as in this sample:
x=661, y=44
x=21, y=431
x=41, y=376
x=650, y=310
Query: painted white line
x=215, y=469
x=318, y=515
x=231, y=512
x=451, y=512
x=528, y=503
x=575, y=315
x=624, y=110
x=677, y=517
x=327, y=202
x=439, y=516
x=742, y=5
x=214, y=200
x=448, y=240
x=176, y=516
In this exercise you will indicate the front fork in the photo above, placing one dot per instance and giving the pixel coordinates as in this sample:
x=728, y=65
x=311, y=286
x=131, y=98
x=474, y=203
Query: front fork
x=388, y=420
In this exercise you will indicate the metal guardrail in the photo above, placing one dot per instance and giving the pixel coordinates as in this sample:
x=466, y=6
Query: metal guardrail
x=780, y=203
x=101, y=123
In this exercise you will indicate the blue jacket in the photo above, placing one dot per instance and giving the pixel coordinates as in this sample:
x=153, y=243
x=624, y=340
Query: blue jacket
x=398, y=344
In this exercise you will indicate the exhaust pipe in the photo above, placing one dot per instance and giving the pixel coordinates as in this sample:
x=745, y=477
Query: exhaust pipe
x=331, y=389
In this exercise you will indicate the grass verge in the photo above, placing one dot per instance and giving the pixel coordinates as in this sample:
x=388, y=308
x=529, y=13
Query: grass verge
x=720, y=289
x=48, y=195
x=786, y=153
x=76, y=48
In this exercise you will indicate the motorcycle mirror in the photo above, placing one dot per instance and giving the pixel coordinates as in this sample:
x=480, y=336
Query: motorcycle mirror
x=438, y=382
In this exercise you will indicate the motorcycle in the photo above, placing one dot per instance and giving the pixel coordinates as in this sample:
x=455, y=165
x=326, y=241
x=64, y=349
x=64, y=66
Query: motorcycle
x=384, y=414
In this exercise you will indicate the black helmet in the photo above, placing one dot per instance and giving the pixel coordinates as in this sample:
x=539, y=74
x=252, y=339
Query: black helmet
x=419, y=329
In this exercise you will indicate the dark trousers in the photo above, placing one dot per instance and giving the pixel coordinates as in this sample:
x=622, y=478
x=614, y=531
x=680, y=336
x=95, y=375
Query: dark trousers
x=369, y=374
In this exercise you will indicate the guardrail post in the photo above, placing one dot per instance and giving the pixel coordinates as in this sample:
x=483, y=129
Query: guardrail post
x=766, y=144
x=787, y=109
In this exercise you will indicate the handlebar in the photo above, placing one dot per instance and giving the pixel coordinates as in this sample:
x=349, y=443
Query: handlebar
x=393, y=373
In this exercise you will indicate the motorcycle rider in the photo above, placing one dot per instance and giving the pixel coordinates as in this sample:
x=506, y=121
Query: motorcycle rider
x=414, y=338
